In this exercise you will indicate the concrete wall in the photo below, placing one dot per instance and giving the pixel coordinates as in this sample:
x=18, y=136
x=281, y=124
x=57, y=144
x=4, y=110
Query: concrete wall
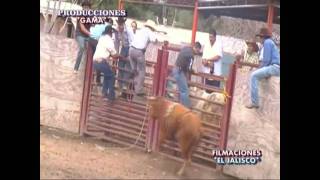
x=256, y=128
x=60, y=88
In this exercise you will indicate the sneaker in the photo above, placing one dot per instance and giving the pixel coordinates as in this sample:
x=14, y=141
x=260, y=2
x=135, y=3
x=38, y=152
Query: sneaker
x=251, y=105
x=109, y=101
x=141, y=94
x=123, y=95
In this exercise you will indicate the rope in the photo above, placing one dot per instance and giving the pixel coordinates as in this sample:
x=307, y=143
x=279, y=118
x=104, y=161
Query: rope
x=225, y=94
x=141, y=129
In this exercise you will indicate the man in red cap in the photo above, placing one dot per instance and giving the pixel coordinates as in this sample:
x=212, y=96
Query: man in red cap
x=269, y=66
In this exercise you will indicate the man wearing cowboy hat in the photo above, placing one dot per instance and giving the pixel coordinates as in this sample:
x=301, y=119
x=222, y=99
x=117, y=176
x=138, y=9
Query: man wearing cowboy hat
x=269, y=66
x=250, y=55
x=136, y=54
x=104, y=51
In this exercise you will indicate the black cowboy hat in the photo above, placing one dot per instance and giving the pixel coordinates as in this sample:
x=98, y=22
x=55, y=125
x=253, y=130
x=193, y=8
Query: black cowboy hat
x=121, y=20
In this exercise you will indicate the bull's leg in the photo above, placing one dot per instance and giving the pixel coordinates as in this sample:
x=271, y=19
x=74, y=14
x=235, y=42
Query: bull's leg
x=162, y=137
x=186, y=146
x=187, y=161
x=180, y=172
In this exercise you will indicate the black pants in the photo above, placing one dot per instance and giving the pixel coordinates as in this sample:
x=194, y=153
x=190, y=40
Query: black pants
x=212, y=83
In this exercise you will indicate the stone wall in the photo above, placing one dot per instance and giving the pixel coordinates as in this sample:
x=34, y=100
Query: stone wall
x=242, y=28
x=60, y=89
x=256, y=128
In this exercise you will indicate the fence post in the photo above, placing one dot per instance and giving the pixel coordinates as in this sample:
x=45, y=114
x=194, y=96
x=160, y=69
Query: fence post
x=227, y=109
x=163, y=71
x=152, y=127
x=163, y=65
x=86, y=91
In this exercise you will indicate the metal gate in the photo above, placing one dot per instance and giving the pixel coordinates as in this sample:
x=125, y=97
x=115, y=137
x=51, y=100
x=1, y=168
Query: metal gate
x=215, y=130
x=121, y=122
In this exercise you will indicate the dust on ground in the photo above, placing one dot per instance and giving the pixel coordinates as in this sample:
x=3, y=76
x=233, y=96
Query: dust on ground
x=65, y=155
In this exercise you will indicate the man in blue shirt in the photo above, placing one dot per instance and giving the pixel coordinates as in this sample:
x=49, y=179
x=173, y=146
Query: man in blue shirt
x=95, y=33
x=269, y=66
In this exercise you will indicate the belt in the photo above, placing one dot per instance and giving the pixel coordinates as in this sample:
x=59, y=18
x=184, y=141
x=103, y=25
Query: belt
x=99, y=60
x=137, y=48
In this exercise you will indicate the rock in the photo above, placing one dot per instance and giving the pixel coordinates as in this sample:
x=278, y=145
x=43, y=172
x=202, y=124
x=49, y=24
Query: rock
x=56, y=137
x=99, y=147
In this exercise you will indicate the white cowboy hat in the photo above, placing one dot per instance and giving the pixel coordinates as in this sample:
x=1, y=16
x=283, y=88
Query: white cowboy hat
x=151, y=24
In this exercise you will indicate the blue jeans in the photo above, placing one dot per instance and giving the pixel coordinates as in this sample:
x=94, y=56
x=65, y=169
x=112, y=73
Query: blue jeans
x=256, y=76
x=82, y=44
x=108, y=78
x=182, y=87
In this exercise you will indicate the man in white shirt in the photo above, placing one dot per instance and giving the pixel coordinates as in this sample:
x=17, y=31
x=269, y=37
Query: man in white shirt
x=212, y=59
x=132, y=31
x=136, y=54
x=105, y=49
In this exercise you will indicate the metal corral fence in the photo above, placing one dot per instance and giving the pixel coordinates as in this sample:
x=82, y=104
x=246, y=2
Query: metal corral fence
x=126, y=119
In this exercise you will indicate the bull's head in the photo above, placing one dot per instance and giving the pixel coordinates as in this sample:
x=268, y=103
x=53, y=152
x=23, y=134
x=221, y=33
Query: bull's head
x=156, y=105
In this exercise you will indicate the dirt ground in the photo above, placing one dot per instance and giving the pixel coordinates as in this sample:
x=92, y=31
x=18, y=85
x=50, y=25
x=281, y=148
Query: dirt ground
x=68, y=156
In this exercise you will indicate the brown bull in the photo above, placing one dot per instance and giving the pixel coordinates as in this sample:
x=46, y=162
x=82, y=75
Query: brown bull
x=179, y=122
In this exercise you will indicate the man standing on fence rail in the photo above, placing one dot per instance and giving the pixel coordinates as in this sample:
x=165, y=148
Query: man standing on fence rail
x=211, y=59
x=181, y=71
x=122, y=47
x=95, y=33
x=269, y=66
x=105, y=50
x=82, y=35
x=136, y=54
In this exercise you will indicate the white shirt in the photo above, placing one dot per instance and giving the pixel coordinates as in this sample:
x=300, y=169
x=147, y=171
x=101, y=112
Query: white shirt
x=142, y=38
x=261, y=54
x=104, y=49
x=210, y=52
x=131, y=34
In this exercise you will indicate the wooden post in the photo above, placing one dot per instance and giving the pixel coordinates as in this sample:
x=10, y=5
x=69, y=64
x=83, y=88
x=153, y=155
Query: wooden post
x=120, y=4
x=195, y=22
x=270, y=14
